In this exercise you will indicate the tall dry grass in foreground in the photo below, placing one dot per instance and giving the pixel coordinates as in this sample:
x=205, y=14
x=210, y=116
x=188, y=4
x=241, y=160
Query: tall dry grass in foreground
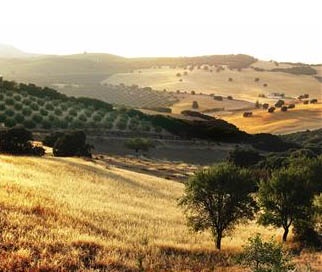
x=71, y=215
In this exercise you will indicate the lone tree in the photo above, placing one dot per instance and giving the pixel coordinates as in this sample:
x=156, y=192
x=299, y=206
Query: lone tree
x=217, y=198
x=138, y=144
x=195, y=105
x=285, y=198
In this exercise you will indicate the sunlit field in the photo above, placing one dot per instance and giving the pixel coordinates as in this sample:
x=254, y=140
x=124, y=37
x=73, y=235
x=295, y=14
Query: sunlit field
x=75, y=215
x=301, y=118
x=242, y=85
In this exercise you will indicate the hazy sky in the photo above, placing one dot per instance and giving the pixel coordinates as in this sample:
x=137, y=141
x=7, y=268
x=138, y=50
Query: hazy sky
x=284, y=30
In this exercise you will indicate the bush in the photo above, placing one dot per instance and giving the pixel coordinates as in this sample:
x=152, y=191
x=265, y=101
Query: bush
x=17, y=97
x=46, y=124
x=37, y=118
x=49, y=107
x=43, y=112
x=18, y=141
x=19, y=118
x=51, y=139
x=26, y=111
x=10, y=122
x=9, y=101
x=34, y=106
x=262, y=256
x=18, y=106
x=72, y=144
x=9, y=113
x=29, y=124
x=244, y=157
x=2, y=107
x=58, y=112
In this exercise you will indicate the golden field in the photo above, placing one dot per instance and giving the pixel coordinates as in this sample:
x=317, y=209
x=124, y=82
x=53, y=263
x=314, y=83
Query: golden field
x=301, y=118
x=242, y=86
x=68, y=214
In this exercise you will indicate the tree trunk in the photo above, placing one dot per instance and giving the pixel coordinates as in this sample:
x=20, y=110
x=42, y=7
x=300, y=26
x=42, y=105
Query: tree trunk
x=285, y=234
x=218, y=241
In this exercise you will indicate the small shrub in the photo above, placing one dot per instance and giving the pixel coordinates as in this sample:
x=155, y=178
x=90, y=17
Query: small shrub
x=26, y=111
x=82, y=118
x=17, y=97
x=19, y=118
x=9, y=113
x=18, y=106
x=46, y=124
x=262, y=256
x=72, y=112
x=43, y=112
x=9, y=101
x=26, y=101
x=37, y=118
x=49, y=107
x=2, y=107
x=58, y=112
x=34, y=106
x=10, y=122
x=29, y=124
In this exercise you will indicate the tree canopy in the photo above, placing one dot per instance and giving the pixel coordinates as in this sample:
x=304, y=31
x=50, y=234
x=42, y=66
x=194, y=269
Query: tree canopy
x=217, y=198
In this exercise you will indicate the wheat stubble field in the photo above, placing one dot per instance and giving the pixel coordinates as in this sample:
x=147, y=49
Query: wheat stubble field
x=75, y=215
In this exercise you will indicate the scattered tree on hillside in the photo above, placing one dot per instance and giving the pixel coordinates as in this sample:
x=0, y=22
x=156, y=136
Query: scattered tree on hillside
x=265, y=106
x=284, y=108
x=285, y=198
x=138, y=144
x=217, y=198
x=195, y=105
x=279, y=103
x=271, y=109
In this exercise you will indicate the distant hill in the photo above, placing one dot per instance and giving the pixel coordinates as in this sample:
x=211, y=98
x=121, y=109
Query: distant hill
x=8, y=51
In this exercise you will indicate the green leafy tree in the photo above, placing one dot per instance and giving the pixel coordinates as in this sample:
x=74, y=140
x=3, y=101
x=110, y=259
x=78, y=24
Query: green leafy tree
x=285, y=198
x=217, y=198
x=138, y=144
x=262, y=256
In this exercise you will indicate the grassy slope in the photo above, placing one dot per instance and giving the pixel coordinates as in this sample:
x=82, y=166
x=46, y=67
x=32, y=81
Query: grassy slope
x=243, y=85
x=303, y=117
x=86, y=216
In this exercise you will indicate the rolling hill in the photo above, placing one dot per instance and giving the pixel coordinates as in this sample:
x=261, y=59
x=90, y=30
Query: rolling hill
x=90, y=216
x=175, y=83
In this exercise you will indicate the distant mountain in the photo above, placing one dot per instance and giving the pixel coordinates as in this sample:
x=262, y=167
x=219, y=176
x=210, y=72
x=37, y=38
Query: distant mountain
x=8, y=51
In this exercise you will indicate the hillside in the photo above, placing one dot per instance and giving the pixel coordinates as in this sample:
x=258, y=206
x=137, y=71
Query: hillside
x=301, y=118
x=89, y=216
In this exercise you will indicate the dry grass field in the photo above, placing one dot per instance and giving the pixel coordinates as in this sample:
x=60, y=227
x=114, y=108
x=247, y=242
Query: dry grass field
x=67, y=214
x=242, y=86
x=301, y=118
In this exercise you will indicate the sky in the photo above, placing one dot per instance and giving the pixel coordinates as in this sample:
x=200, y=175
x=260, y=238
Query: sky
x=283, y=30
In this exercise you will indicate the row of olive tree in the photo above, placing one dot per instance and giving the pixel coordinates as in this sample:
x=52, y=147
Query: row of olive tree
x=219, y=197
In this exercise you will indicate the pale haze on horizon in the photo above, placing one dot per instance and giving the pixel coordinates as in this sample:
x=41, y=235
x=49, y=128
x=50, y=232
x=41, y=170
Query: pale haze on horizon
x=279, y=30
